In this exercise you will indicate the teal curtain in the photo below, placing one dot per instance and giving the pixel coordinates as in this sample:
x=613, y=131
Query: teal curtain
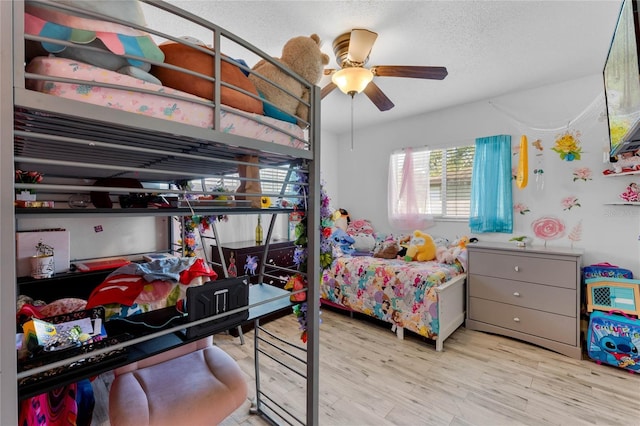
x=491, y=205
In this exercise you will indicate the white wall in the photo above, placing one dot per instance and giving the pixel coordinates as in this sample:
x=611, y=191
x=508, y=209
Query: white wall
x=608, y=233
x=98, y=236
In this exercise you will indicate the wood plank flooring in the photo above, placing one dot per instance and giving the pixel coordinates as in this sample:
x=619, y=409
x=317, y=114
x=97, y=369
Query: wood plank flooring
x=369, y=377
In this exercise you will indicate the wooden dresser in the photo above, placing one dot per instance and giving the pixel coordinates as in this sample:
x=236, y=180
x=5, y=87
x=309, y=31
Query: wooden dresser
x=532, y=294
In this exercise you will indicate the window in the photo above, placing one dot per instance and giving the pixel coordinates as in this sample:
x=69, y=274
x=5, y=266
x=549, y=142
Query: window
x=442, y=180
x=272, y=180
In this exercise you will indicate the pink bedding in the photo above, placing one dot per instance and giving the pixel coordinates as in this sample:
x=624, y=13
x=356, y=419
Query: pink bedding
x=152, y=105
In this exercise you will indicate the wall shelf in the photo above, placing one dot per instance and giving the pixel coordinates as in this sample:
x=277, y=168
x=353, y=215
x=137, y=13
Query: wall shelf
x=623, y=203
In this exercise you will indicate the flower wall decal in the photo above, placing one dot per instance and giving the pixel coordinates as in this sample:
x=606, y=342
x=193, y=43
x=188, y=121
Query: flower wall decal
x=548, y=228
x=569, y=202
x=568, y=145
x=582, y=173
x=521, y=208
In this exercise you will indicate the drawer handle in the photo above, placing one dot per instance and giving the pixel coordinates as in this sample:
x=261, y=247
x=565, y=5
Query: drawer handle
x=516, y=294
x=517, y=269
x=516, y=319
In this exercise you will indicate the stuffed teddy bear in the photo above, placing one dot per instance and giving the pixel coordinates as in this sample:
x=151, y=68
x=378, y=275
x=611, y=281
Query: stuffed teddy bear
x=421, y=248
x=301, y=55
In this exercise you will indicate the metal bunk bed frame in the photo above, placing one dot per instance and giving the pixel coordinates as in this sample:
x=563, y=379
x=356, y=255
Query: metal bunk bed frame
x=69, y=139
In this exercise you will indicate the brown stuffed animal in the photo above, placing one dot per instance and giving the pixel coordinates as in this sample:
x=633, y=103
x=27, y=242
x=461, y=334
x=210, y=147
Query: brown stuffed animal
x=387, y=250
x=301, y=55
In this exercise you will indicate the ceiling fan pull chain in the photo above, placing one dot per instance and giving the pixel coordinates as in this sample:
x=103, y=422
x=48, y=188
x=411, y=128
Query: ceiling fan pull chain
x=352, y=122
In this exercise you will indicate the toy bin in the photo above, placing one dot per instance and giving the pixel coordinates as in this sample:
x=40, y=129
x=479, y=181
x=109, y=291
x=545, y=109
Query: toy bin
x=614, y=339
x=605, y=270
x=606, y=294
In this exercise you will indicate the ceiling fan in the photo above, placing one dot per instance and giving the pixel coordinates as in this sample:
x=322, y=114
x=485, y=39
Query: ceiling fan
x=352, y=51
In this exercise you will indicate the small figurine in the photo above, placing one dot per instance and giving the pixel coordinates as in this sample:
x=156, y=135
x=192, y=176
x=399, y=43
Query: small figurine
x=631, y=194
x=232, y=270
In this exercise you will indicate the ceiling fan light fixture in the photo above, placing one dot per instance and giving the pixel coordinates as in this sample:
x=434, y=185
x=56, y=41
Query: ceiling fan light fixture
x=352, y=80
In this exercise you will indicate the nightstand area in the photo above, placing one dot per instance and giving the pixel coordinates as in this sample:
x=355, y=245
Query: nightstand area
x=280, y=254
x=529, y=293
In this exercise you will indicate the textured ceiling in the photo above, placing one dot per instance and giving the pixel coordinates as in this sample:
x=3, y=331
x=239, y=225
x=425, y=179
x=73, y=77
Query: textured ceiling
x=489, y=47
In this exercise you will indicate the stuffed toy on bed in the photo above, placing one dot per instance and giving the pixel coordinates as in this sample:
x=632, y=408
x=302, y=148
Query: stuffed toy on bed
x=303, y=56
x=342, y=243
x=387, y=249
x=362, y=232
x=421, y=248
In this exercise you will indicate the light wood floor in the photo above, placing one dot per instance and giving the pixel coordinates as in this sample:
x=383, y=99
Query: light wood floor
x=369, y=377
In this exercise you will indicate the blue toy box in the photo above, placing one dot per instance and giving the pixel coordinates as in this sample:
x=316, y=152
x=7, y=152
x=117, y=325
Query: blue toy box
x=614, y=339
x=605, y=270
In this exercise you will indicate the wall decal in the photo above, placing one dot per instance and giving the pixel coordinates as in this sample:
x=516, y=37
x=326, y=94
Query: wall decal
x=576, y=233
x=568, y=145
x=521, y=208
x=582, y=173
x=548, y=228
x=570, y=202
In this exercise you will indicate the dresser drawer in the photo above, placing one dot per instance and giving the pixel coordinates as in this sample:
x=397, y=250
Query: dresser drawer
x=550, y=326
x=528, y=295
x=555, y=272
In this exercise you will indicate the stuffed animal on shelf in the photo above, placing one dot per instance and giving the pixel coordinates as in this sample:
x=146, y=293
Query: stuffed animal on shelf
x=632, y=193
x=301, y=55
x=421, y=248
x=628, y=161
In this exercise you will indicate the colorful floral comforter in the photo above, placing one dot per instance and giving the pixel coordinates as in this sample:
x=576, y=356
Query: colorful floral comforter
x=393, y=290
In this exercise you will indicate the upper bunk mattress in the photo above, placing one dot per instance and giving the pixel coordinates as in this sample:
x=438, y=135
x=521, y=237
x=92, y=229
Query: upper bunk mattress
x=153, y=105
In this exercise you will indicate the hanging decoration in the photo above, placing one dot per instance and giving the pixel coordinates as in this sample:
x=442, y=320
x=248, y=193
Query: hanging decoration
x=538, y=171
x=523, y=164
x=193, y=226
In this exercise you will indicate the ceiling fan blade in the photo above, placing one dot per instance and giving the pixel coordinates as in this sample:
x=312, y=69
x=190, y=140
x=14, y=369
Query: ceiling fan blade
x=380, y=100
x=360, y=45
x=327, y=89
x=433, y=73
